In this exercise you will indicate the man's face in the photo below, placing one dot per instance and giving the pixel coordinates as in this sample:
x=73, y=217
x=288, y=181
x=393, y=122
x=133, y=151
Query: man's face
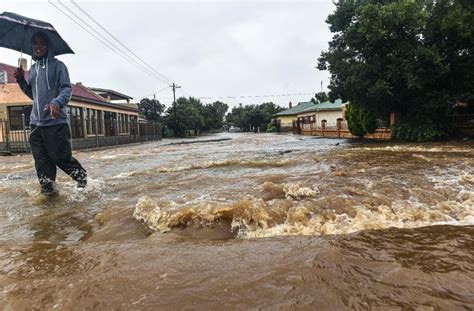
x=39, y=46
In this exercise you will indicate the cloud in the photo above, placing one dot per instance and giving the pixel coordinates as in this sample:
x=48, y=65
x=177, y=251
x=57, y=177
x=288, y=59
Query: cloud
x=216, y=49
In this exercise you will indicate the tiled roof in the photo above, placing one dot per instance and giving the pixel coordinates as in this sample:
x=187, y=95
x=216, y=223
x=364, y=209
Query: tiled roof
x=77, y=90
x=82, y=91
x=11, y=94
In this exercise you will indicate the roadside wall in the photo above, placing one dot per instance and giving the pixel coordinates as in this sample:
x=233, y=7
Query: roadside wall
x=334, y=132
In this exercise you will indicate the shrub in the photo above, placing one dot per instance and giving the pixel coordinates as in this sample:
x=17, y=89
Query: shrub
x=411, y=130
x=360, y=121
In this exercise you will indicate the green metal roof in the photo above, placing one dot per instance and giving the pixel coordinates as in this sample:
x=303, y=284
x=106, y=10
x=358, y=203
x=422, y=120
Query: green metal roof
x=310, y=106
x=328, y=105
x=303, y=106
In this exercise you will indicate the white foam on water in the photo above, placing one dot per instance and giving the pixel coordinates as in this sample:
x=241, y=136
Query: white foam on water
x=148, y=211
x=402, y=148
x=73, y=194
x=253, y=217
x=420, y=156
x=399, y=215
x=296, y=191
x=104, y=157
x=123, y=175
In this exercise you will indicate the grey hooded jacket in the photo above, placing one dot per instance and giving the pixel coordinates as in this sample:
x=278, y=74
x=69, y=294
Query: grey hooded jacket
x=48, y=82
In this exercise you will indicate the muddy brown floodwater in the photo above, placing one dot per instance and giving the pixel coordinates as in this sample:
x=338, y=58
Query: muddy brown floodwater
x=257, y=221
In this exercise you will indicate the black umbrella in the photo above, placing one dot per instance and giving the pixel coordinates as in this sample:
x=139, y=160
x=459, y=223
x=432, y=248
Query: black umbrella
x=16, y=32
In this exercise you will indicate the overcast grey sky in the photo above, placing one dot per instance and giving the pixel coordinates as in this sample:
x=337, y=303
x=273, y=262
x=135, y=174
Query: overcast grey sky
x=210, y=48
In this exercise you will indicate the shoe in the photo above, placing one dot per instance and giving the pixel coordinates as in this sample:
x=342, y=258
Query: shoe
x=47, y=188
x=81, y=183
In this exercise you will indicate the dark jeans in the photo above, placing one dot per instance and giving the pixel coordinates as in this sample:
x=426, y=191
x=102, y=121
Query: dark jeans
x=51, y=147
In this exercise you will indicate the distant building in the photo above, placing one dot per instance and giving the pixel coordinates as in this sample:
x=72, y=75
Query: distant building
x=285, y=119
x=307, y=114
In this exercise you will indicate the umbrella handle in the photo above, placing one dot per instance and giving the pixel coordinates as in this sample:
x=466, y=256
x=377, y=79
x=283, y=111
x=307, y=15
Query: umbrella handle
x=21, y=51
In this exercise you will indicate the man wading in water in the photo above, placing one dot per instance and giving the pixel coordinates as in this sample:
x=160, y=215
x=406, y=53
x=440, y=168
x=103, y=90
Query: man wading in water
x=49, y=87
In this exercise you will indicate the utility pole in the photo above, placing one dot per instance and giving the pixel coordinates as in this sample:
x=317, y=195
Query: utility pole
x=174, y=86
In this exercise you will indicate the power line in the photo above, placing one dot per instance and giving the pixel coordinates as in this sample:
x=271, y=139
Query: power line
x=154, y=93
x=120, y=42
x=143, y=65
x=254, y=96
x=243, y=96
x=95, y=36
x=127, y=58
x=117, y=49
x=183, y=92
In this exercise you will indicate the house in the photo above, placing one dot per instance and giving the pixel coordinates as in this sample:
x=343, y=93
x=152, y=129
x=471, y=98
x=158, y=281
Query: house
x=98, y=117
x=325, y=115
x=285, y=120
x=308, y=115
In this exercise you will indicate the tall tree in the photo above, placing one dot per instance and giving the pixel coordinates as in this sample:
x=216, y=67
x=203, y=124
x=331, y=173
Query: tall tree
x=184, y=116
x=410, y=56
x=239, y=117
x=213, y=115
x=151, y=110
x=320, y=97
x=252, y=117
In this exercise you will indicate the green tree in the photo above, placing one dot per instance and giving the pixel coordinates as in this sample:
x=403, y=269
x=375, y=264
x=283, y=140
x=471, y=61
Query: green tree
x=353, y=121
x=213, y=115
x=252, y=117
x=257, y=118
x=185, y=116
x=268, y=109
x=239, y=117
x=320, y=97
x=194, y=115
x=415, y=57
x=151, y=110
x=360, y=121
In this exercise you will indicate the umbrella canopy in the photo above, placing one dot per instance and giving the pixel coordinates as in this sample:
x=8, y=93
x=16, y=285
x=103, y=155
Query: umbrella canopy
x=16, y=32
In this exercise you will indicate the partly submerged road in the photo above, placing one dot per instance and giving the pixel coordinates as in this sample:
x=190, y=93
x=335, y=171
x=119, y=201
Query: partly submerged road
x=250, y=221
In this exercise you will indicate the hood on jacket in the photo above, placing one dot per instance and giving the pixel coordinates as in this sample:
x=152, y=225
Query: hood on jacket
x=44, y=61
x=49, y=55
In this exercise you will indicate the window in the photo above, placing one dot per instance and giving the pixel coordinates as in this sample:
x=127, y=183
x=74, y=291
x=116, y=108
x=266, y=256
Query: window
x=77, y=118
x=90, y=121
x=15, y=115
x=133, y=125
x=100, y=122
x=110, y=119
x=121, y=123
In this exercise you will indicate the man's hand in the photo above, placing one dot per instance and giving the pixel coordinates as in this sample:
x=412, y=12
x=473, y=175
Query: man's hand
x=53, y=110
x=19, y=74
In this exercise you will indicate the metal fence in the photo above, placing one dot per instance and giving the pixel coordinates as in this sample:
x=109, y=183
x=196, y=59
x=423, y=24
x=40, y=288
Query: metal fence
x=461, y=119
x=85, y=133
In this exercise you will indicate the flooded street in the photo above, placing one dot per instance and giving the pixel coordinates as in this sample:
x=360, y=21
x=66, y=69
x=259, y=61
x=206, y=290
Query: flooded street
x=259, y=221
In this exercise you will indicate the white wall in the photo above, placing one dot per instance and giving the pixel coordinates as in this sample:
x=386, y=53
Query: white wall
x=330, y=116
